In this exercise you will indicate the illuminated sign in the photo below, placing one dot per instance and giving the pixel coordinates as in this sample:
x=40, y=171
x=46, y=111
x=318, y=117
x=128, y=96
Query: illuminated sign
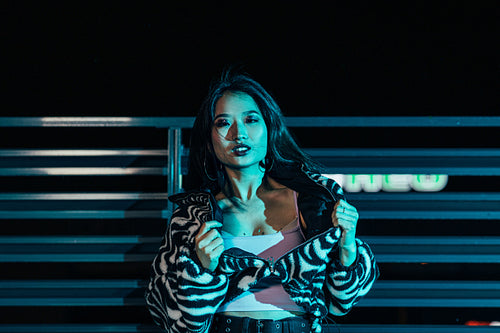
x=391, y=183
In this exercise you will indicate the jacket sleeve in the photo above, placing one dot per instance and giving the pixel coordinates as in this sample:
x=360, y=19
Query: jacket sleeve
x=181, y=295
x=345, y=286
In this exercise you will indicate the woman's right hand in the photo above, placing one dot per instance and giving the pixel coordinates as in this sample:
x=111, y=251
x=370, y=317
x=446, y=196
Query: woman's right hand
x=209, y=245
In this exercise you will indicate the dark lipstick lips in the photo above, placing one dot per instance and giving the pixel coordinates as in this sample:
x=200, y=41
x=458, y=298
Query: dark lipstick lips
x=244, y=149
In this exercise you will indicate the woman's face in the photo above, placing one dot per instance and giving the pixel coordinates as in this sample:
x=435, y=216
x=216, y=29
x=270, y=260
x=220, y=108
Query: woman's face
x=239, y=133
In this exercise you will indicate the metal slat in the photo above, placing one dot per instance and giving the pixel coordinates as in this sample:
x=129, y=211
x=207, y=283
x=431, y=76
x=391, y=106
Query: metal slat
x=413, y=212
x=70, y=284
x=337, y=152
x=413, y=196
x=79, y=328
x=395, y=249
x=407, y=196
x=449, y=161
x=77, y=152
x=83, y=205
x=435, y=249
x=187, y=122
x=404, y=152
x=78, y=248
x=470, y=294
x=85, y=214
x=393, y=121
x=327, y=328
x=72, y=293
x=83, y=162
x=78, y=240
x=75, y=171
x=84, y=196
x=157, y=122
x=121, y=161
x=410, y=329
x=75, y=257
x=453, y=166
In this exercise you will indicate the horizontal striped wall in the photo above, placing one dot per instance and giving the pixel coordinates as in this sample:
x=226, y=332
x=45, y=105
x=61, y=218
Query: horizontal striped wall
x=83, y=208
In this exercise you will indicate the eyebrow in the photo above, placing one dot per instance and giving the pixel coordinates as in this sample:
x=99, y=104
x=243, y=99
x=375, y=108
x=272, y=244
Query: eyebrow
x=246, y=113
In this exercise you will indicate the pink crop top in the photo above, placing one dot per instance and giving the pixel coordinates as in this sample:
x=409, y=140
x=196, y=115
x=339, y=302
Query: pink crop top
x=268, y=294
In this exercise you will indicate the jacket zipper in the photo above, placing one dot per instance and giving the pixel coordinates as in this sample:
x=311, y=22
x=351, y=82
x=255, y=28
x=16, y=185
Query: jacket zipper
x=271, y=262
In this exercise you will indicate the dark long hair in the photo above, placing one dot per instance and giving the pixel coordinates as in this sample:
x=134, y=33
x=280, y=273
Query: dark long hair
x=204, y=168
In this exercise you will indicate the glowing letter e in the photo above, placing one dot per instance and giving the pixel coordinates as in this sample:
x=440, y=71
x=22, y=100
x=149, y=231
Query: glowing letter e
x=429, y=183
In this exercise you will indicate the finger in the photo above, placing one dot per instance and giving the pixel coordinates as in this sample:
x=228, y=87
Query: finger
x=346, y=208
x=346, y=217
x=216, y=252
x=207, y=226
x=340, y=206
x=214, y=244
x=207, y=238
x=335, y=209
x=345, y=203
x=347, y=223
x=212, y=224
x=351, y=213
x=349, y=209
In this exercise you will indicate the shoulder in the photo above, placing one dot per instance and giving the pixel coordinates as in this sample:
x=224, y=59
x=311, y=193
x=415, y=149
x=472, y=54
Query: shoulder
x=191, y=198
x=277, y=191
x=192, y=207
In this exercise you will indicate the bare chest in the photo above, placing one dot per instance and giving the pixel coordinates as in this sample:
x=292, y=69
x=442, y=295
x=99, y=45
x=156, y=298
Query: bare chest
x=261, y=217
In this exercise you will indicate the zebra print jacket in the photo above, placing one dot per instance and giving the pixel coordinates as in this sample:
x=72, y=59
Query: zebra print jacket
x=182, y=296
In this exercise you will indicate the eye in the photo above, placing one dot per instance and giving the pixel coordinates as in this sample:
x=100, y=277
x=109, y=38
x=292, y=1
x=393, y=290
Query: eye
x=221, y=123
x=252, y=119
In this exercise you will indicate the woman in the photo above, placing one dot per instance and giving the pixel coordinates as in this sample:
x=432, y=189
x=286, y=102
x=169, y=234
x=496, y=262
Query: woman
x=260, y=241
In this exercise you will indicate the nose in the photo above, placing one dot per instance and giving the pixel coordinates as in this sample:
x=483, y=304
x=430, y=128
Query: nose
x=238, y=132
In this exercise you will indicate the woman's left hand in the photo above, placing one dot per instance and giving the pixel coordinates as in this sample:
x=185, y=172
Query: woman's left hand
x=345, y=216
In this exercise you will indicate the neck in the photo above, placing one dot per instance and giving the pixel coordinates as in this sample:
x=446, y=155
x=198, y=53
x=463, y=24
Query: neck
x=245, y=182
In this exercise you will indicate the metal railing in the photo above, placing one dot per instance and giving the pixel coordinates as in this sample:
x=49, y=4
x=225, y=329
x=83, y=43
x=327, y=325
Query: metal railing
x=165, y=164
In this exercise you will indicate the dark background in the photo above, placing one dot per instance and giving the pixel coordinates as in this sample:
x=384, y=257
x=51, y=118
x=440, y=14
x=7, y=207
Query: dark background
x=145, y=58
x=157, y=58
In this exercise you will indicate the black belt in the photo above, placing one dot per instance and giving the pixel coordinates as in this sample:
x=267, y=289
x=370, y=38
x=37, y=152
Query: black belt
x=222, y=323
